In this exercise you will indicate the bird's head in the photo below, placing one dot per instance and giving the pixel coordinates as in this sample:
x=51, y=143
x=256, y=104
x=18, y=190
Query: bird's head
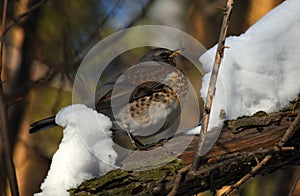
x=162, y=55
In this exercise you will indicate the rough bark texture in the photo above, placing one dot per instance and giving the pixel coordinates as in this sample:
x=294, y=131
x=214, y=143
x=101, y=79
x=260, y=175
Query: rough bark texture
x=242, y=144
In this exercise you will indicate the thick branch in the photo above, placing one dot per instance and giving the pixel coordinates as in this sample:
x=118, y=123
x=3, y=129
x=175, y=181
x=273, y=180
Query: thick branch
x=242, y=144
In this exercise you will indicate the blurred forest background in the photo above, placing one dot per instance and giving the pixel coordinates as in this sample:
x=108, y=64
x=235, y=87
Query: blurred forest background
x=44, y=42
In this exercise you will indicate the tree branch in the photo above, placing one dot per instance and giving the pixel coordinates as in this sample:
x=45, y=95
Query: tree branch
x=279, y=146
x=20, y=17
x=212, y=83
x=233, y=156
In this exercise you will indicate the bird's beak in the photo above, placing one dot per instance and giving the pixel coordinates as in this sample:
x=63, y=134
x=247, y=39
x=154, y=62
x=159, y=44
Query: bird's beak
x=176, y=52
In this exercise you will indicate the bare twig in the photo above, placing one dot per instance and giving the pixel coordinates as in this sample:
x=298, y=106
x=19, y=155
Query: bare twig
x=142, y=13
x=92, y=36
x=4, y=121
x=47, y=77
x=213, y=80
x=288, y=134
x=2, y=40
x=20, y=17
x=247, y=176
x=178, y=179
x=118, y=4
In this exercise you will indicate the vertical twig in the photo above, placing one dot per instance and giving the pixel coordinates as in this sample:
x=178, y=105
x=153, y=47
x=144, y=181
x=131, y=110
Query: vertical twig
x=4, y=120
x=2, y=36
x=212, y=83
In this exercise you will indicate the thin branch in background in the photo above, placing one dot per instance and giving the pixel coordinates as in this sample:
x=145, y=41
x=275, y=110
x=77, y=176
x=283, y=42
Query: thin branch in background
x=288, y=134
x=47, y=77
x=212, y=83
x=294, y=182
x=92, y=36
x=111, y=13
x=142, y=13
x=20, y=17
x=2, y=40
x=15, y=101
x=84, y=45
x=4, y=121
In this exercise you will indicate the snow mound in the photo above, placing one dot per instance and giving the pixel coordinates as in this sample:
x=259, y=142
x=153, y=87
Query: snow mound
x=74, y=162
x=261, y=68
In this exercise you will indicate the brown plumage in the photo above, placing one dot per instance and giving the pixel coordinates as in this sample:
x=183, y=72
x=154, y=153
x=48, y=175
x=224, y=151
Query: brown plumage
x=154, y=93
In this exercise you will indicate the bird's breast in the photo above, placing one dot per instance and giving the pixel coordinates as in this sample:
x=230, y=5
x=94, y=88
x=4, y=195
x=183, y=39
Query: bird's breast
x=148, y=114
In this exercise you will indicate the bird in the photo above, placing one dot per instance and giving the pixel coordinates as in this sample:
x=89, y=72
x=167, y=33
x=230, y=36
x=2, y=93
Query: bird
x=152, y=110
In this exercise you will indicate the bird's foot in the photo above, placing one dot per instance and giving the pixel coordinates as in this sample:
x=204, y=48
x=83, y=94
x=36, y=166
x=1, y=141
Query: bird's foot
x=137, y=145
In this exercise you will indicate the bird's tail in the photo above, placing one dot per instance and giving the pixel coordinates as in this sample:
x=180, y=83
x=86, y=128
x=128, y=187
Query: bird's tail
x=43, y=124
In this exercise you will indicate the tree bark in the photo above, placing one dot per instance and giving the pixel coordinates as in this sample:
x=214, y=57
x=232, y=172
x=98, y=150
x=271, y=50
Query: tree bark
x=241, y=145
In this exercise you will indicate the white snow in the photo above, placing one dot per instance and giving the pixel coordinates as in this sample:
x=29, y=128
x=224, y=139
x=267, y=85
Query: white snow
x=260, y=69
x=74, y=162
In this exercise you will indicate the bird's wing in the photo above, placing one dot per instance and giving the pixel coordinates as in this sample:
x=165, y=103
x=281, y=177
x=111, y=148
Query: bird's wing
x=123, y=92
x=146, y=89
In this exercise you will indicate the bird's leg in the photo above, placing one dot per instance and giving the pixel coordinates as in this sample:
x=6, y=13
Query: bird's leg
x=137, y=145
x=131, y=140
